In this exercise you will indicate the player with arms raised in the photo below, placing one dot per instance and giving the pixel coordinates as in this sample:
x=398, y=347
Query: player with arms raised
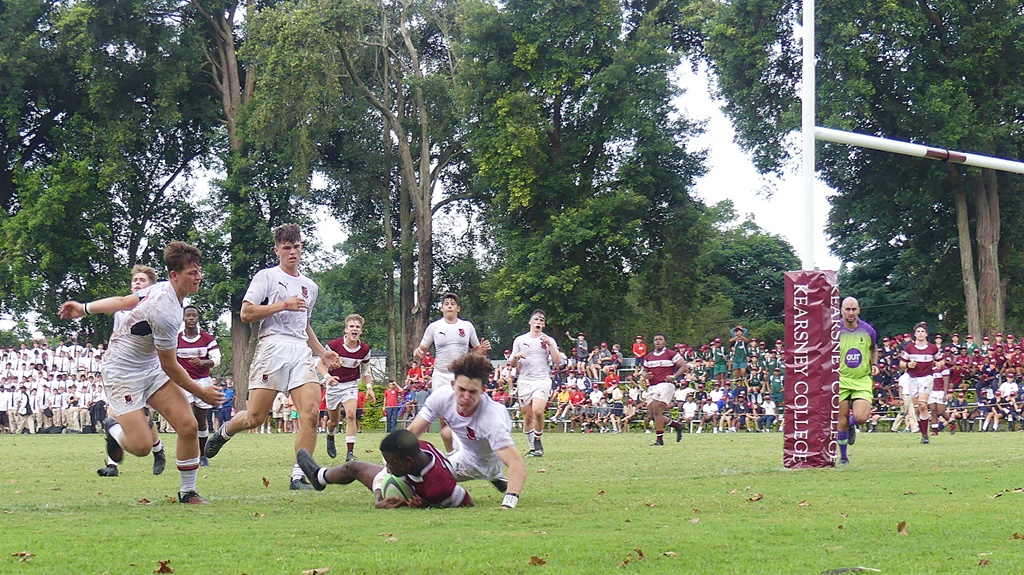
x=533, y=353
x=343, y=383
x=142, y=361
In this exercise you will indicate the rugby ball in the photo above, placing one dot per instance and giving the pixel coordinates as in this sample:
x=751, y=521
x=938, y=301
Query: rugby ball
x=393, y=486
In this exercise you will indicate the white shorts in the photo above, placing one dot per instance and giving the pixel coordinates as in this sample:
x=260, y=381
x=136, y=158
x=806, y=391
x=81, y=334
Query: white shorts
x=125, y=395
x=282, y=363
x=339, y=394
x=662, y=392
x=527, y=390
x=937, y=396
x=920, y=385
x=203, y=382
x=465, y=467
x=441, y=379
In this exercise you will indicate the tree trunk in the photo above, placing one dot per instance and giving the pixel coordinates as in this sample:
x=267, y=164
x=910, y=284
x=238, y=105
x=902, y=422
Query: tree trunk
x=963, y=228
x=986, y=197
x=228, y=81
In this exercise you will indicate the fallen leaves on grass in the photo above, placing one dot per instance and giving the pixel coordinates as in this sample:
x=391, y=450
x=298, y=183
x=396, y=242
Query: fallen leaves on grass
x=258, y=515
x=734, y=492
x=542, y=470
x=23, y=556
x=385, y=534
x=55, y=489
x=804, y=503
x=171, y=499
x=534, y=560
x=910, y=493
x=840, y=527
x=901, y=528
x=695, y=520
x=541, y=532
x=841, y=570
x=164, y=567
x=317, y=571
x=627, y=520
x=629, y=558
x=1017, y=536
x=8, y=512
x=18, y=492
x=144, y=501
x=266, y=482
x=601, y=492
x=983, y=562
x=649, y=504
x=696, y=511
x=670, y=554
x=755, y=497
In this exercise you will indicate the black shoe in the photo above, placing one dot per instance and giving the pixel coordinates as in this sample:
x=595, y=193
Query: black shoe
x=500, y=484
x=310, y=468
x=300, y=485
x=536, y=453
x=679, y=433
x=192, y=498
x=332, y=450
x=531, y=453
x=215, y=442
x=853, y=435
x=108, y=471
x=204, y=461
x=349, y=456
x=159, y=461
x=844, y=461
x=658, y=443
x=924, y=439
x=114, y=450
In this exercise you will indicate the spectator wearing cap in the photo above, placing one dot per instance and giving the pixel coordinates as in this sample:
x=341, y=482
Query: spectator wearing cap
x=986, y=344
x=969, y=344
x=958, y=409
x=580, y=350
x=720, y=357
x=593, y=362
x=739, y=353
x=954, y=342
x=615, y=363
x=639, y=351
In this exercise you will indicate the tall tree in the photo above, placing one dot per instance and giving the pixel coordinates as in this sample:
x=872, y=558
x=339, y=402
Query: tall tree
x=107, y=190
x=944, y=75
x=574, y=132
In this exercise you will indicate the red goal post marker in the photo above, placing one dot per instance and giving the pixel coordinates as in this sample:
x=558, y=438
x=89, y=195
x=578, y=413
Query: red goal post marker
x=811, y=384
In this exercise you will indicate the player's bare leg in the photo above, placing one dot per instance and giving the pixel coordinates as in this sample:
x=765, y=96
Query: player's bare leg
x=203, y=433
x=170, y=401
x=350, y=428
x=320, y=477
x=923, y=417
x=333, y=417
x=258, y=408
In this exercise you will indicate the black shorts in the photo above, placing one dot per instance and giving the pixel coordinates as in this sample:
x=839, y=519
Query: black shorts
x=323, y=413
x=359, y=414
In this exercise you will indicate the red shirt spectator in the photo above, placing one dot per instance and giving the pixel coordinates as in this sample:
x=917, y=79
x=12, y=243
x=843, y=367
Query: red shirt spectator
x=639, y=347
x=391, y=395
x=361, y=400
x=428, y=360
x=611, y=380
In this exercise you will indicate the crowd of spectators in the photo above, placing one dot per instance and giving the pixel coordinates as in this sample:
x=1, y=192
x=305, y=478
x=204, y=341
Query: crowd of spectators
x=46, y=389
x=729, y=386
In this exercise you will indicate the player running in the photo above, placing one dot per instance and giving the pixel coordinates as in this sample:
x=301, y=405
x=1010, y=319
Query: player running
x=282, y=299
x=918, y=360
x=141, y=361
x=198, y=352
x=661, y=367
x=858, y=364
x=533, y=353
x=343, y=383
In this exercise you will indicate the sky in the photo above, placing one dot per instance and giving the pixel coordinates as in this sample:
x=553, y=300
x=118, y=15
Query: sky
x=731, y=175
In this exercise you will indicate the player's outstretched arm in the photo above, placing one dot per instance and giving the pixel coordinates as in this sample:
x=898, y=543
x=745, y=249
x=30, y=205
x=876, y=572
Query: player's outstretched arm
x=169, y=363
x=418, y=426
x=511, y=457
x=73, y=309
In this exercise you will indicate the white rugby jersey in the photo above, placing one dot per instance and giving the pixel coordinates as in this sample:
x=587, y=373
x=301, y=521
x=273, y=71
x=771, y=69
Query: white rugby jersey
x=273, y=285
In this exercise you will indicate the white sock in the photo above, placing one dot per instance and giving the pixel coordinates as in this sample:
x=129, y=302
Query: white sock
x=204, y=433
x=111, y=462
x=117, y=432
x=188, y=469
x=159, y=446
x=297, y=472
x=350, y=439
x=321, y=476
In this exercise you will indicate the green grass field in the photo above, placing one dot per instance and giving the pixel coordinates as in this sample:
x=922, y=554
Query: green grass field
x=589, y=505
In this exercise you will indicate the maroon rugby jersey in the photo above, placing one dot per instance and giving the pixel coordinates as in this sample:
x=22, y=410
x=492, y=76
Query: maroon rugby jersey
x=350, y=360
x=199, y=348
x=924, y=357
x=437, y=484
x=661, y=365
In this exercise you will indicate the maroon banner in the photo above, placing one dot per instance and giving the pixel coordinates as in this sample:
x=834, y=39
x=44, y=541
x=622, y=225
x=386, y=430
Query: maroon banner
x=811, y=388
